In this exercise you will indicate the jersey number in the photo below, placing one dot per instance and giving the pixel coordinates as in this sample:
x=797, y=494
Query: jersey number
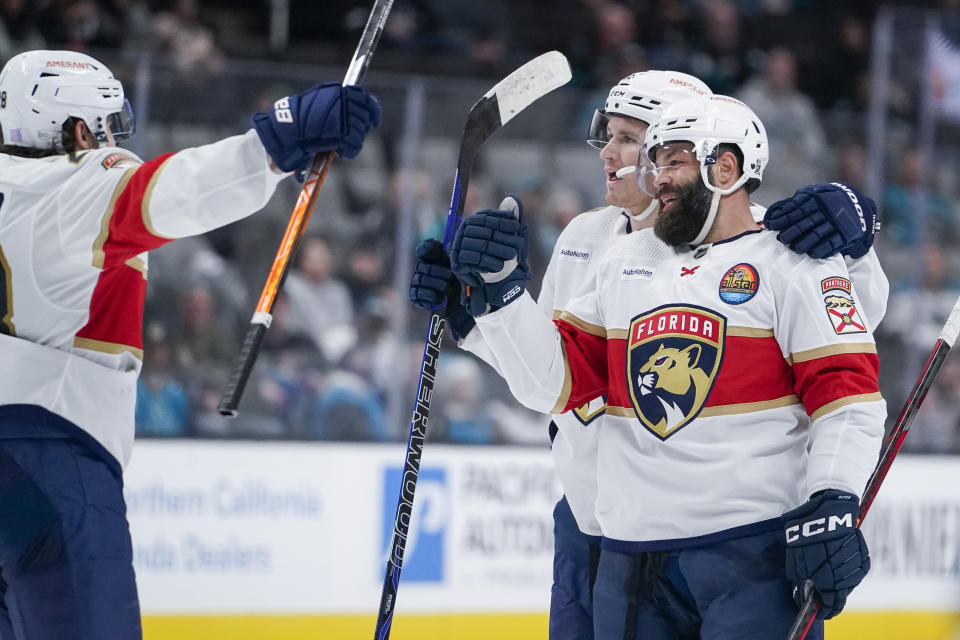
x=6, y=293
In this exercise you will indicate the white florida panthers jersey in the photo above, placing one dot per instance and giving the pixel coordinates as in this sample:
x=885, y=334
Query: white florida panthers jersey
x=578, y=250
x=74, y=230
x=722, y=367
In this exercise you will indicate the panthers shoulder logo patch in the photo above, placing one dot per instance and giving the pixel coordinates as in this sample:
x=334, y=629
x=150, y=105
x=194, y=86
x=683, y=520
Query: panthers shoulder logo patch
x=673, y=356
x=841, y=308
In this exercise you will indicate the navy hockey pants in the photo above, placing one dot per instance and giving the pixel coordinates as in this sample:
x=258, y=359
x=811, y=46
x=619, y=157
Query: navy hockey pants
x=65, y=550
x=729, y=590
x=575, y=558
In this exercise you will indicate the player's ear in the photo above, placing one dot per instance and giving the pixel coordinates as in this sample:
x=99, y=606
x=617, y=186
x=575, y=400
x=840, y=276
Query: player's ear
x=726, y=171
x=83, y=137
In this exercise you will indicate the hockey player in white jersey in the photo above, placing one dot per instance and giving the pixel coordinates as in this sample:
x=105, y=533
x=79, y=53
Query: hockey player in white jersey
x=77, y=216
x=720, y=363
x=617, y=130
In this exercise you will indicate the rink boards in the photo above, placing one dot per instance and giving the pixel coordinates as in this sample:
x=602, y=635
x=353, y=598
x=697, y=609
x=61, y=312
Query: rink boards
x=288, y=540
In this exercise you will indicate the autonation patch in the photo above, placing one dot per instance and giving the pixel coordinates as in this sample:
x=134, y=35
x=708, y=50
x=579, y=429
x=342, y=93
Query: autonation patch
x=425, y=547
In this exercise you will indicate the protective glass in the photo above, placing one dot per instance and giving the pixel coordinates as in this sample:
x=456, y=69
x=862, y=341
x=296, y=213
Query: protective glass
x=121, y=124
x=597, y=136
x=669, y=157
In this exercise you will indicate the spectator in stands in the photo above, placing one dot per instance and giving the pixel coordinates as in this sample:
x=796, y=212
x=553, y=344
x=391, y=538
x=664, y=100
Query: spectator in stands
x=912, y=217
x=798, y=146
x=19, y=28
x=320, y=304
x=179, y=31
x=163, y=407
x=719, y=57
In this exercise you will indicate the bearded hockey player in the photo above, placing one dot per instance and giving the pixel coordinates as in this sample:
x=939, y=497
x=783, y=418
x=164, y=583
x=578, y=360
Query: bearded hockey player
x=77, y=215
x=815, y=220
x=741, y=390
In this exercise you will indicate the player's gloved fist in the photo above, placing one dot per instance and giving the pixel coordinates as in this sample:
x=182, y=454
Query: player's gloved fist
x=327, y=117
x=824, y=219
x=489, y=256
x=434, y=287
x=825, y=547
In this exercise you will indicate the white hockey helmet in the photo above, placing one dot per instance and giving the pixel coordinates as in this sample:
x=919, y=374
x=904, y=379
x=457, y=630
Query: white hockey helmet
x=707, y=122
x=40, y=90
x=643, y=96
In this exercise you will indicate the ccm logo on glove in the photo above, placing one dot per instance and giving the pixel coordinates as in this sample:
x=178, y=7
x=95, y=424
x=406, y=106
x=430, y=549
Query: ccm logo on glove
x=815, y=527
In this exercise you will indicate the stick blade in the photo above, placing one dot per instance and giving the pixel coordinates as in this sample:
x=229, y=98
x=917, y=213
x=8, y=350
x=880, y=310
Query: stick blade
x=533, y=80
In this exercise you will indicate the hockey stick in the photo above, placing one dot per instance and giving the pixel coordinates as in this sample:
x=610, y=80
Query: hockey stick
x=498, y=106
x=262, y=315
x=948, y=336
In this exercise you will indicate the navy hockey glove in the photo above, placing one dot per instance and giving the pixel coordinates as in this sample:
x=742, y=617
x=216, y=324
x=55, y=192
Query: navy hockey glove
x=433, y=284
x=325, y=118
x=822, y=220
x=825, y=547
x=489, y=255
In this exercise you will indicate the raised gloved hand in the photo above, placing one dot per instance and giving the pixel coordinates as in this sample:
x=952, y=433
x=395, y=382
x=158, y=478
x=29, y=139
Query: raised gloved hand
x=489, y=256
x=824, y=219
x=434, y=287
x=325, y=118
x=825, y=547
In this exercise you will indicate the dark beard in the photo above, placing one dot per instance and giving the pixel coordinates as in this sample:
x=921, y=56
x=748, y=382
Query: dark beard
x=681, y=224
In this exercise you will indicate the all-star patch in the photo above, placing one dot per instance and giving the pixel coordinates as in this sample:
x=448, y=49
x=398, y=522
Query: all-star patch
x=739, y=284
x=840, y=306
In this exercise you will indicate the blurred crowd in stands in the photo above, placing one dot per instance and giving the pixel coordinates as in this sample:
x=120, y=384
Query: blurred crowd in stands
x=341, y=357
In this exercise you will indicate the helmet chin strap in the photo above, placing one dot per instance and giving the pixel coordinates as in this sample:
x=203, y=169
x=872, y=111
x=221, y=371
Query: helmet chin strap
x=646, y=213
x=711, y=216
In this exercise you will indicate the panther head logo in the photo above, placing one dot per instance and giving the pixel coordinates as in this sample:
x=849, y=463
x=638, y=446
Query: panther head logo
x=673, y=356
x=674, y=379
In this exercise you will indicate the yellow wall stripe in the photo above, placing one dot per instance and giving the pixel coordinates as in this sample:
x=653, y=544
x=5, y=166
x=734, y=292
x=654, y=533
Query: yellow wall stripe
x=850, y=625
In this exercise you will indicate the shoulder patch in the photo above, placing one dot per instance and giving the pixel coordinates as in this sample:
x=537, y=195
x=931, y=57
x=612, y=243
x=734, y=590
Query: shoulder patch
x=118, y=160
x=840, y=306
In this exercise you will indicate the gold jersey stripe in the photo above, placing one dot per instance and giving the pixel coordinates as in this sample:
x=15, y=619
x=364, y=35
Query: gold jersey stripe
x=750, y=407
x=106, y=347
x=722, y=410
x=98, y=254
x=145, y=203
x=7, y=319
x=749, y=332
x=567, y=383
x=138, y=264
x=832, y=350
x=592, y=329
x=842, y=402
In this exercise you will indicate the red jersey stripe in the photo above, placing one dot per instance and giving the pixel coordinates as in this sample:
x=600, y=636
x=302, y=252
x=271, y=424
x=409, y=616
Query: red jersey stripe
x=825, y=380
x=130, y=233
